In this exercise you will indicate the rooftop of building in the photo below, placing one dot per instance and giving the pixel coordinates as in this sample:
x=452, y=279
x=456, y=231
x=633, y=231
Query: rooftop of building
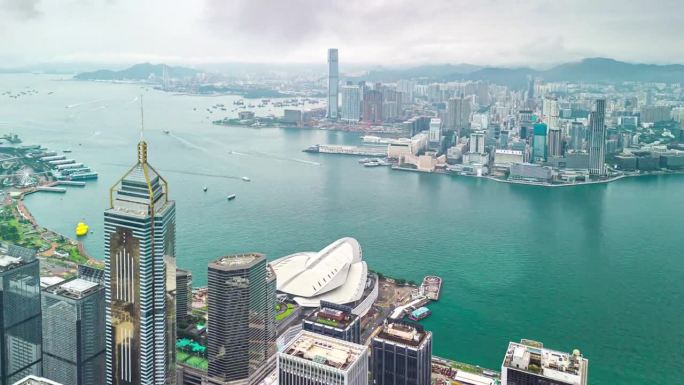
x=75, y=288
x=531, y=356
x=237, y=261
x=332, y=315
x=402, y=332
x=13, y=256
x=324, y=350
x=35, y=380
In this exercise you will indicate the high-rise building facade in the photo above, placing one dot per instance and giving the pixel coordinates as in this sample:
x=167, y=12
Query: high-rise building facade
x=140, y=243
x=73, y=332
x=402, y=354
x=529, y=363
x=333, y=83
x=351, y=103
x=555, y=144
x=372, y=106
x=477, y=143
x=239, y=335
x=577, y=136
x=316, y=359
x=458, y=114
x=597, y=142
x=435, y=132
x=335, y=321
x=20, y=321
x=539, y=143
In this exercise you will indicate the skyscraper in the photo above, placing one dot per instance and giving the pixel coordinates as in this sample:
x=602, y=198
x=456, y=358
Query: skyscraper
x=555, y=142
x=577, y=136
x=351, y=103
x=183, y=295
x=597, y=146
x=539, y=143
x=73, y=332
x=333, y=82
x=402, y=354
x=458, y=114
x=20, y=314
x=372, y=106
x=140, y=234
x=239, y=336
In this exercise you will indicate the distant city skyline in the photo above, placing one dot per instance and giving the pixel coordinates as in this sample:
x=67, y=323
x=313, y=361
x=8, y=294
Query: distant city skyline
x=369, y=32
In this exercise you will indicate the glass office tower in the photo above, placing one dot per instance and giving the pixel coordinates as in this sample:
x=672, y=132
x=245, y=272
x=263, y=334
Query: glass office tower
x=240, y=334
x=20, y=321
x=140, y=278
x=73, y=332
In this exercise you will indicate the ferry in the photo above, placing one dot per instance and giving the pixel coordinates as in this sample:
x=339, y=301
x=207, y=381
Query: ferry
x=231, y=197
x=246, y=179
x=419, y=314
x=66, y=150
x=372, y=163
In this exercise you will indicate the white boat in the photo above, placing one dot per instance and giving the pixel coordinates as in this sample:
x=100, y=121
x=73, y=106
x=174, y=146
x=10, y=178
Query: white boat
x=231, y=197
x=167, y=132
x=372, y=163
x=246, y=179
x=204, y=188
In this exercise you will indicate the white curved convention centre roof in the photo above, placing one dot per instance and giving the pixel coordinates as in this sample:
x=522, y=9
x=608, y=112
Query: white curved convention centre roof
x=335, y=274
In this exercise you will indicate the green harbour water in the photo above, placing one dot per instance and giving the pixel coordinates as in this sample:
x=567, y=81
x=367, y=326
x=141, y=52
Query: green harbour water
x=599, y=267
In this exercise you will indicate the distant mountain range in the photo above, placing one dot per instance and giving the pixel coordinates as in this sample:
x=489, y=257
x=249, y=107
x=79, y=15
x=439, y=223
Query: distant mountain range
x=139, y=72
x=587, y=70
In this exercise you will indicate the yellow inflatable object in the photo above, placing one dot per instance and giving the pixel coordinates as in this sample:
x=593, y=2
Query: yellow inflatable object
x=81, y=229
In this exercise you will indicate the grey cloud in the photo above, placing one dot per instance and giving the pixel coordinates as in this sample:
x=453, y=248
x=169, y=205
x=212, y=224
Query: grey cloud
x=22, y=9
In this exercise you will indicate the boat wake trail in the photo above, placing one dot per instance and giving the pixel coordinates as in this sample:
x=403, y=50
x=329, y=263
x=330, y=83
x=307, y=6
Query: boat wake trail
x=282, y=159
x=188, y=143
x=135, y=99
x=84, y=103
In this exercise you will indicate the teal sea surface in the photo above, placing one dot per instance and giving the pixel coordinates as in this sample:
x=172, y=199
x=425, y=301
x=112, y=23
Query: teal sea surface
x=599, y=268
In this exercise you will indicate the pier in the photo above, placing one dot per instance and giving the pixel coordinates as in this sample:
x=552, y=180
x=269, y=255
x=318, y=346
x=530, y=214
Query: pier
x=431, y=287
x=348, y=150
x=60, y=190
x=70, y=183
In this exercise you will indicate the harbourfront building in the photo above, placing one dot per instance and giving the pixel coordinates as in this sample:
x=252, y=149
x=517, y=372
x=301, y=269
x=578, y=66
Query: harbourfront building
x=140, y=278
x=402, y=354
x=529, y=363
x=334, y=320
x=20, y=318
x=336, y=274
x=597, y=145
x=316, y=359
x=73, y=332
x=240, y=340
x=333, y=83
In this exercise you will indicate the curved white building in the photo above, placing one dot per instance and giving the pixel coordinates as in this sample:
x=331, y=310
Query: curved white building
x=335, y=274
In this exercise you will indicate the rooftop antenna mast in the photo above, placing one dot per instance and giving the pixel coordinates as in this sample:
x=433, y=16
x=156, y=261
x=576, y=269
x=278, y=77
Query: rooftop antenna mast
x=142, y=146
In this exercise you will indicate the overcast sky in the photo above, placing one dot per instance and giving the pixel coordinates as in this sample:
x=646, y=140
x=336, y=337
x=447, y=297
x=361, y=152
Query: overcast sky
x=386, y=32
